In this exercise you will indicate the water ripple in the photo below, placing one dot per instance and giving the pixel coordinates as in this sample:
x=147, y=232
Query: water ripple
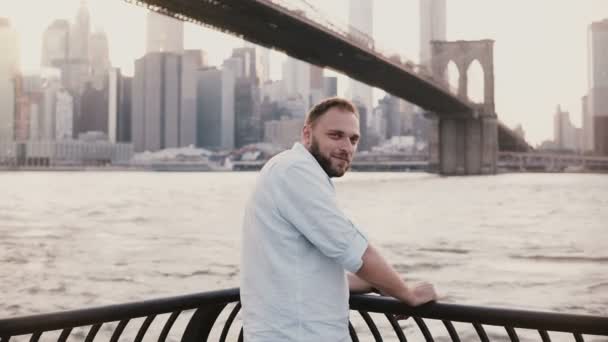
x=562, y=258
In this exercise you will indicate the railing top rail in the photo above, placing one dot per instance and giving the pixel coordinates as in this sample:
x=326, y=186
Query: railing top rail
x=515, y=318
x=116, y=312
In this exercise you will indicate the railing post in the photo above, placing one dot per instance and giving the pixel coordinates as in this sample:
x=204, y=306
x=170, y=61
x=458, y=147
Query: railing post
x=200, y=324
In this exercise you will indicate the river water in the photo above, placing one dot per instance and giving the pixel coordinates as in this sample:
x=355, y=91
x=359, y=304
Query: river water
x=71, y=240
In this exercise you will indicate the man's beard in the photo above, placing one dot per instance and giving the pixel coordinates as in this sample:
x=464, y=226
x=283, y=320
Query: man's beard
x=324, y=161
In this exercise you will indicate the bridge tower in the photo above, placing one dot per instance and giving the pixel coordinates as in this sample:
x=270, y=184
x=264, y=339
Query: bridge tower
x=461, y=144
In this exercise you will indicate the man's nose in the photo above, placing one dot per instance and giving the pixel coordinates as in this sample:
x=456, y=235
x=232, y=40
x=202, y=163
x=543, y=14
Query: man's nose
x=348, y=147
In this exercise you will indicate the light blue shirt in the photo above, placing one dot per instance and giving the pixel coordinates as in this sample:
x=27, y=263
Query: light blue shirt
x=296, y=247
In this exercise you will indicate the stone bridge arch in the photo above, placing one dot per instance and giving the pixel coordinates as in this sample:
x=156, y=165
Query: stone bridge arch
x=463, y=53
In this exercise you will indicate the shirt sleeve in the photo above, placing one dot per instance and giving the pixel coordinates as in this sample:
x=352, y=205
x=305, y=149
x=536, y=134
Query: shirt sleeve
x=308, y=202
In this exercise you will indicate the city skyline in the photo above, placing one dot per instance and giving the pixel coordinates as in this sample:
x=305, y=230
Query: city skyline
x=523, y=96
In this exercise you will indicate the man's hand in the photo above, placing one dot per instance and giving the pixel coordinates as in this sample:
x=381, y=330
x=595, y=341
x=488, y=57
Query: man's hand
x=420, y=294
x=380, y=274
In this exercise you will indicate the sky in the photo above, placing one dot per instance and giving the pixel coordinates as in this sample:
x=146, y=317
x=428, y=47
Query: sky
x=540, y=51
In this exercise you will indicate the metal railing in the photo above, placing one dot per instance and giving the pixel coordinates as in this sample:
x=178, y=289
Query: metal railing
x=204, y=309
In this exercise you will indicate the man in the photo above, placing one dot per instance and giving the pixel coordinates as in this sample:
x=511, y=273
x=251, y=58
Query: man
x=297, y=243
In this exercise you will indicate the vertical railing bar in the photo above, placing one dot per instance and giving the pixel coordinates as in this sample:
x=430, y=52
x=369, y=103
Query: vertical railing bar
x=65, y=333
x=396, y=327
x=578, y=337
x=544, y=335
x=451, y=330
x=144, y=328
x=371, y=325
x=352, y=332
x=201, y=323
x=424, y=329
x=168, y=325
x=481, y=332
x=229, y=321
x=119, y=329
x=92, y=332
x=35, y=336
x=512, y=334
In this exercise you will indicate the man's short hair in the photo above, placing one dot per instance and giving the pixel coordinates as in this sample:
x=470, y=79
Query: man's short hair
x=324, y=106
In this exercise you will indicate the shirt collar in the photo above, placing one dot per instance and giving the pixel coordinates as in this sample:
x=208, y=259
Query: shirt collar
x=299, y=148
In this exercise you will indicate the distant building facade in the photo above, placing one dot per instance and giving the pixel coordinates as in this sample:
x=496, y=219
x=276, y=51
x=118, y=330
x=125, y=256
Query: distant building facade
x=566, y=136
x=284, y=132
x=432, y=27
x=155, y=115
x=215, y=109
x=361, y=25
x=598, y=86
x=8, y=70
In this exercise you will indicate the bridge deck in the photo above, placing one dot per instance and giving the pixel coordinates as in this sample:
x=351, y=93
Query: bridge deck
x=266, y=23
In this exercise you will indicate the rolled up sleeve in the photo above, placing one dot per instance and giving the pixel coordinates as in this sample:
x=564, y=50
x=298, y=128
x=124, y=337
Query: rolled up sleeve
x=308, y=202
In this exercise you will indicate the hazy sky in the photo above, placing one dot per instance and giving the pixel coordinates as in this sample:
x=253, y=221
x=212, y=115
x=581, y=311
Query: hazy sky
x=540, y=49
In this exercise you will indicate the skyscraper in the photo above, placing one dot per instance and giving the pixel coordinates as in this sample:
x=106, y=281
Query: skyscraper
x=56, y=44
x=8, y=68
x=215, y=121
x=251, y=65
x=364, y=140
x=303, y=83
x=587, y=128
x=36, y=100
x=51, y=84
x=361, y=24
x=392, y=112
x=265, y=64
x=80, y=33
x=296, y=75
x=564, y=133
x=192, y=61
x=94, y=109
x=598, y=85
x=263, y=61
x=247, y=113
x=155, y=112
x=316, y=84
x=164, y=34
x=274, y=91
x=246, y=66
x=119, y=106
x=64, y=115
x=432, y=26
x=99, y=57
x=330, y=86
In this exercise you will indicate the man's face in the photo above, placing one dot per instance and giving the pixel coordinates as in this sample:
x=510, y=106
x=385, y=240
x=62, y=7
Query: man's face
x=333, y=140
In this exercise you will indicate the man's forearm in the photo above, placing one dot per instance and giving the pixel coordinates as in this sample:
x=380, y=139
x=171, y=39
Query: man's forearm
x=356, y=284
x=379, y=274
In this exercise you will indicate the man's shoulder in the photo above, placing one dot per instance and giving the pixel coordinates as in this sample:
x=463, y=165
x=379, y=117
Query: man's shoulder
x=281, y=163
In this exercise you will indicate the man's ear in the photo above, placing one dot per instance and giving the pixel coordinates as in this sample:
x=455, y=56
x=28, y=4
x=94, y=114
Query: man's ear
x=307, y=135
